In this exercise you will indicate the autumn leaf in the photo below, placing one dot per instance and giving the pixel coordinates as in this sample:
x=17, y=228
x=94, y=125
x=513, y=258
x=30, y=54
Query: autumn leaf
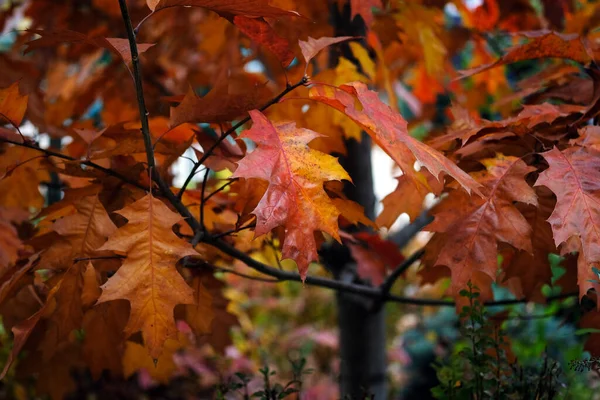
x=389, y=130
x=148, y=278
x=12, y=104
x=261, y=32
x=408, y=197
x=364, y=8
x=573, y=177
x=472, y=227
x=50, y=38
x=248, y=8
x=543, y=44
x=312, y=46
x=218, y=105
x=295, y=198
x=375, y=257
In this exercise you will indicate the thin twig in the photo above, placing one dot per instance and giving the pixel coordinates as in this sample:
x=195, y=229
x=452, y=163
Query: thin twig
x=231, y=231
x=137, y=76
x=386, y=286
x=225, y=134
x=51, y=153
x=202, y=199
x=221, y=188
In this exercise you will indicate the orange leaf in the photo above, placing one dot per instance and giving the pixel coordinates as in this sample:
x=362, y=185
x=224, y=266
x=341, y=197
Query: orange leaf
x=261, y=32
x=544, y=44
x=53, y=38
x=148, y=278
x=12, y=104
x=389, y=130
x=295, y=197
x=247, y=8
x=473, y=226
x=575, y=221
x=311, y=47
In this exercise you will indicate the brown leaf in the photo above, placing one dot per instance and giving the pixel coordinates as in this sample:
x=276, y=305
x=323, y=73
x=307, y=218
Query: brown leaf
x=12, y=104
x=312, y=46
x=51, y=38
x=472, y=226
x=247, y=8
x=261, y=32
x=573, y=178
x=389, y=130
x=148, y=278
x=543, y=44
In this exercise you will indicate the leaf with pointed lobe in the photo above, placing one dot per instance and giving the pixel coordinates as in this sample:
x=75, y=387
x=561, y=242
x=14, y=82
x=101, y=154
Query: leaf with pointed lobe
x=12, y=104
x=295, y=198
x=544, y=44
x=50, y=38
x=226, y=8
x=472, y=227
x=148, y=278
x=389, y=130
x=10, y=243
x=573, y=177
x=21, y=171
x=104, y=341
x=222, y=104
x=23, y=330
x=408, y=197
x=313, y=46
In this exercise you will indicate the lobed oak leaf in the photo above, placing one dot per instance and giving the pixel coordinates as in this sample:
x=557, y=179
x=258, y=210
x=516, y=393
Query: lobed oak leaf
x=104, y=341
x=148, y=278
x=408, y=197
x=295, y=198
x=543, y=44
x=262, y=33
x=312, y=46
x=226, y=8
x=12, y=104
x=390, y=131
x=533, y=269
x=21, y=171
x=472, y=227
x=573, y=177
x=50, y=38
x=219, y=105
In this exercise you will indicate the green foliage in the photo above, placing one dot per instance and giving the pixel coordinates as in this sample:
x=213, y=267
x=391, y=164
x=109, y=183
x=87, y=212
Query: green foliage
x=479, y=367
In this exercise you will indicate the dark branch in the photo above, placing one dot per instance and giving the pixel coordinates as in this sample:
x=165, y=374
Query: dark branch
x=91, y=164
x=221, y=188
x=202, y=199
x=137, y=76
x=386, y=286
x=364, y=290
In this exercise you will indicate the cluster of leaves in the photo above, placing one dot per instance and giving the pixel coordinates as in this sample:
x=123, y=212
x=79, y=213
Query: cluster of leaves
x=481, y=368
x=118, y=274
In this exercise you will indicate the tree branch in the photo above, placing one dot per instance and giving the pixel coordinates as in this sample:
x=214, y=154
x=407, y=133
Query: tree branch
x=137, y=77
x=51, y=153
x=364, y=290
x=386, y=286
x=228, y=132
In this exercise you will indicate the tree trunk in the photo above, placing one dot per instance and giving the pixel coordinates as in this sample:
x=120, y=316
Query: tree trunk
x=361, y=329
